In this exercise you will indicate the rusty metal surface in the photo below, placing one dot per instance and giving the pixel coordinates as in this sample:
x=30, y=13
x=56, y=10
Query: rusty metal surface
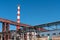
x=13, y=23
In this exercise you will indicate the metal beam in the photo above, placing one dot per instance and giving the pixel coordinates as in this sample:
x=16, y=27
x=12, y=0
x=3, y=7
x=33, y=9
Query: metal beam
x=13, y=23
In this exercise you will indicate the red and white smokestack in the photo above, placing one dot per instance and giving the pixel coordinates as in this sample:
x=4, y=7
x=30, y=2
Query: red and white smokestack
x=18, y=16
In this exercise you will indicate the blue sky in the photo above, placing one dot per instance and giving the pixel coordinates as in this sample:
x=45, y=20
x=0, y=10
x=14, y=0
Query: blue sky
x=33, y=12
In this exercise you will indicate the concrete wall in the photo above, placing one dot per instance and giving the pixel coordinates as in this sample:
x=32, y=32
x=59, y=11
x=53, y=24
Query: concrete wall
x=56, y=38
x=0, y=36
x=43, y=38
x=46, y=38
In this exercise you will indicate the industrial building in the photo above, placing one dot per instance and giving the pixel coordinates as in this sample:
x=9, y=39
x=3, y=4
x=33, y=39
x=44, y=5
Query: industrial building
x=37, y=32
x=27, y=32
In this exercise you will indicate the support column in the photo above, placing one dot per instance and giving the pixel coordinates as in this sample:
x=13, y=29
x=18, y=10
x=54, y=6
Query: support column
x=25, y=36
x=28, y=36
x=1, y=37
x=5, y=29
x=33, y=36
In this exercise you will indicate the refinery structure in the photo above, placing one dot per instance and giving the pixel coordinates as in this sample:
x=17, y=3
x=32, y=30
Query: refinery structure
x=48, y=31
